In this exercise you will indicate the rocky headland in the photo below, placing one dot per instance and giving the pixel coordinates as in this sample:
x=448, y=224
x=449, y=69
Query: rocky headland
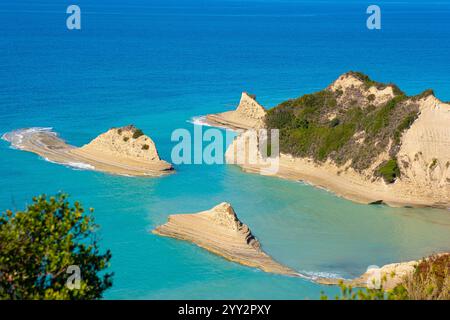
x=389, y=276
x=365, y=141
x=248, y=115
x=219, y=231
x=429, y=270
x=122, y=151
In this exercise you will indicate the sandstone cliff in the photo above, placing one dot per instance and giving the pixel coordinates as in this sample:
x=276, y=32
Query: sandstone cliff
x=248, y=115
x=366, y=141
x=423, y=272
x=124, y=151
x=219, y=230
x=126, y=142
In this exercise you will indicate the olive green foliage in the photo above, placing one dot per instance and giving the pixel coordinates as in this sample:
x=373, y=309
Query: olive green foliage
x=354, y=130
x=145, y=147
x=426, y=93
x=126, y=139
x=389, y=170
x=405, y=124
x=37, y=246
x=431, y=279
x=137, y=133
x=349, y=293
x=379, y=85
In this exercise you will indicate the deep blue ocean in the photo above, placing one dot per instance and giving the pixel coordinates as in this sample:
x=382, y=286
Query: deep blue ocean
x=158, y=64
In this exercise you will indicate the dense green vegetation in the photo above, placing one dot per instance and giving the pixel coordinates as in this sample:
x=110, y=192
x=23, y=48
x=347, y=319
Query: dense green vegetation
x=317, y=126
x=137, y=133
x=389, y=170
x=431, y=279
x=379, y=85
x=39, y=245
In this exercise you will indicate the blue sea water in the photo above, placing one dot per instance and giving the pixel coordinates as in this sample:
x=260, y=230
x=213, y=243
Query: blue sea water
x=157, y=64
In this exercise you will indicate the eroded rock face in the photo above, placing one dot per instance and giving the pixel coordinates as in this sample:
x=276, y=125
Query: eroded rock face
x=387, y=277
x=248, y=115
x=122, y=151
x=424, y=156
x=250, y=108
x=352, y=88
x=127, y=141
x=384, y=146
x=220, y=231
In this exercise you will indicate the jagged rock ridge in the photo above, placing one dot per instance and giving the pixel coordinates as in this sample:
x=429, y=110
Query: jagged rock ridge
x=220, y=231
x=248, y=115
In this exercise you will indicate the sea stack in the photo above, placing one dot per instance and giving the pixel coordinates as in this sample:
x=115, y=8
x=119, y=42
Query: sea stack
x=124, y=151
x=248, y=115
x=219, y=231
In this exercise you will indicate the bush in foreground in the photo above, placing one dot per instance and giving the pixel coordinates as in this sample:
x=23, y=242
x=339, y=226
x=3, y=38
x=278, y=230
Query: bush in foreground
x=38, y=245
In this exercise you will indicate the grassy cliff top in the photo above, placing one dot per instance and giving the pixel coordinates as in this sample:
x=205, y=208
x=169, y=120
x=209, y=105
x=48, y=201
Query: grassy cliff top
x=352, y=121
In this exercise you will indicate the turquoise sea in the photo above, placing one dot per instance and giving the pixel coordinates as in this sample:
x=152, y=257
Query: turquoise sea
x=158, y=64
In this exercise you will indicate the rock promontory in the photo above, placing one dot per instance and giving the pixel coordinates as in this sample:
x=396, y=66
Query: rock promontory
x=219, y=231
x=366, y=141
x=124, y=151
x=248, y=115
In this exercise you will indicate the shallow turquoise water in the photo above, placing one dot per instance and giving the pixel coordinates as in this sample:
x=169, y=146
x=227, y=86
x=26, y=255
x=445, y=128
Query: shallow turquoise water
x=159, y=64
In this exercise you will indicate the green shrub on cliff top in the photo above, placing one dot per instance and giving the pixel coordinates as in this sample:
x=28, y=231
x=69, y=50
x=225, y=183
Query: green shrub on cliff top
x=137, y=133
x=317, y=127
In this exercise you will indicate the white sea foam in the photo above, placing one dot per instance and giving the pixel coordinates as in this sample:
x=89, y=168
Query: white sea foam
x=199, y=121
x=304, y=183
x=73, y=165
x=320, y=274
x=80, y=165
x=15, y=137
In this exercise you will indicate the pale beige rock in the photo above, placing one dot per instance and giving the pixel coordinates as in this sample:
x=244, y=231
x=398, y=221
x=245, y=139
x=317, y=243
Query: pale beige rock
x=389, y=276
x=113, y=143
x=219, y=230
x=109, y=152
x=349, y=84
x=424, y=156
x=248, y=115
